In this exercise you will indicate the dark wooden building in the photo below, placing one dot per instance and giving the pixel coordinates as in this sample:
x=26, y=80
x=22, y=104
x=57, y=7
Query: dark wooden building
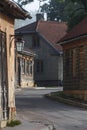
x=75, y=61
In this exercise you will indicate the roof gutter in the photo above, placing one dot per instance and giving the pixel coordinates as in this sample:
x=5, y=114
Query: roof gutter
x=28, y=53
x=71, y=40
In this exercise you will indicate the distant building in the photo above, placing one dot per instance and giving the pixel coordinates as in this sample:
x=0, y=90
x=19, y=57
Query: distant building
x=41, y=37
x=24, y=69
x=75, y=61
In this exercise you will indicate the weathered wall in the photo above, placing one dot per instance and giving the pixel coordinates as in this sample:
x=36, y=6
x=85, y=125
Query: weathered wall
x=79, y=80
x=75, y=80
x=27, y=80
x=7, y=26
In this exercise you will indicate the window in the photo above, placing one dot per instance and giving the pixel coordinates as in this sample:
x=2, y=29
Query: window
x=27, y=67
x=81, y=61
x=74, y=61
x=35, y=40
x=39, y=66
x=30, y=67
x=23, y=66
x=67, y=62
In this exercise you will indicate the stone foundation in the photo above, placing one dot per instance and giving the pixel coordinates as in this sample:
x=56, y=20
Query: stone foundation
x=27, y=84
x=81, y=94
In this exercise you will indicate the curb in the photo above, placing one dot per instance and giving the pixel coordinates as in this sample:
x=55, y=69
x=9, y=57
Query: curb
x=49, y=127
x=67, y=101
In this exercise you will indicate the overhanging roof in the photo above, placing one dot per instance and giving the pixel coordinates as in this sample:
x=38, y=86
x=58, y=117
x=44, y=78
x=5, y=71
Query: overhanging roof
x=78, y=32
x=12, y=9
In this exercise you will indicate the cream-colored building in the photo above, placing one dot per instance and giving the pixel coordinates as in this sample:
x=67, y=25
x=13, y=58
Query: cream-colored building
x=9, y=10
x=24, y=69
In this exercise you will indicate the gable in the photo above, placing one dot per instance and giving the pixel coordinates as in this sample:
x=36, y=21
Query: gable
x=51, y=31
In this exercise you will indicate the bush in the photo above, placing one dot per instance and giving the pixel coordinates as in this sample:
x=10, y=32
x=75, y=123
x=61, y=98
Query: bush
x=13, y=123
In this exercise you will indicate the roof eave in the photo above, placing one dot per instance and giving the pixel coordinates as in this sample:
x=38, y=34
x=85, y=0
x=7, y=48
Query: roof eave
x=20, y=13
x=72, y=39
x=28, y=53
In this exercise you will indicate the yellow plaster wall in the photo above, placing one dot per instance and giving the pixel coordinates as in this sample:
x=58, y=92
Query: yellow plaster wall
x=7, y=26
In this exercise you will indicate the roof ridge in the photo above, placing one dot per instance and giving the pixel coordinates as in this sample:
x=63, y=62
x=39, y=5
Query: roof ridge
x=53, y=22
x=26, y=25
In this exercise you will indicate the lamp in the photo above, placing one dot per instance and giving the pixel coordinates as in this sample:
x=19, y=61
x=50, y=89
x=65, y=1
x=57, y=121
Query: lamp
x=19, y=44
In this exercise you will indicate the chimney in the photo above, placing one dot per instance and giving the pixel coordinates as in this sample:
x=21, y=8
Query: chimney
x=39, y=16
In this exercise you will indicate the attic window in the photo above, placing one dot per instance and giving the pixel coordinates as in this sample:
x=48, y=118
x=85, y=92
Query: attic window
x=74, y=61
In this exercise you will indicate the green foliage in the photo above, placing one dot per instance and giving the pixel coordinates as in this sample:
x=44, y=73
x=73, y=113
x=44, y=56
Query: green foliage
x=71, y=11
x=54, y=10
x=76, y=11
x=13, y=123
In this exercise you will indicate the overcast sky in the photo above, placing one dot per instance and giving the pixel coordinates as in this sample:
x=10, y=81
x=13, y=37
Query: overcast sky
x=33, y=8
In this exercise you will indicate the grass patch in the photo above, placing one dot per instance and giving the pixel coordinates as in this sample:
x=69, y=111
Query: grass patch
x=13, y=123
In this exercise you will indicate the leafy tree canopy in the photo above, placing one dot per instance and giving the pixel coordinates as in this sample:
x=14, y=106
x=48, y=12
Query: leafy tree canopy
x=72, y=11
x=76, y=10
x=54, y=10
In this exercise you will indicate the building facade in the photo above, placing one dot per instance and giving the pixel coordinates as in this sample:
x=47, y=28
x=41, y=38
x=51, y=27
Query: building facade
x=24, y=69
x=8, y=12
x=41, y=37
x=75, y=61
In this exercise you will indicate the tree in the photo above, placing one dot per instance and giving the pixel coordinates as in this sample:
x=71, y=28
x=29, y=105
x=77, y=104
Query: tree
x=76, y=10
x=54, y=10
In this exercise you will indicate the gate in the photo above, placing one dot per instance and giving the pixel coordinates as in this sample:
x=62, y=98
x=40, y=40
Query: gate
x=3, y=77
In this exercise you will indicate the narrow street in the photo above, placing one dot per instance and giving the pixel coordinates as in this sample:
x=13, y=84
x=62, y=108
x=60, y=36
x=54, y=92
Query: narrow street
x=34, y=107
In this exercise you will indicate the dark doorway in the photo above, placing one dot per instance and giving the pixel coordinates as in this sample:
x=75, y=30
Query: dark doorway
x=3, y=77
x=19, y=72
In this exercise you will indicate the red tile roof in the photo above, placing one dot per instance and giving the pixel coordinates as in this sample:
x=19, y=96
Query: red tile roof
x=77, y=31
x=50, y=30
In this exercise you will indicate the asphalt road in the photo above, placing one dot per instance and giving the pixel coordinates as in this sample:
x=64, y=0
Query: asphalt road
x=34, y=107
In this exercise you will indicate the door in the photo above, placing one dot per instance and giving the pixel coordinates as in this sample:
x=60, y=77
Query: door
x=3, y=77
x=19, y=72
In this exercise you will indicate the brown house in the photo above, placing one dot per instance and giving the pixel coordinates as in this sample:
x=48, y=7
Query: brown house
x=41, y=37
x=75, y=60
x=9, y=10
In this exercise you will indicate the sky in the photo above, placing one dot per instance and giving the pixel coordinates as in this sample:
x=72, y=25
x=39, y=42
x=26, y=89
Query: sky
x=33, y=8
